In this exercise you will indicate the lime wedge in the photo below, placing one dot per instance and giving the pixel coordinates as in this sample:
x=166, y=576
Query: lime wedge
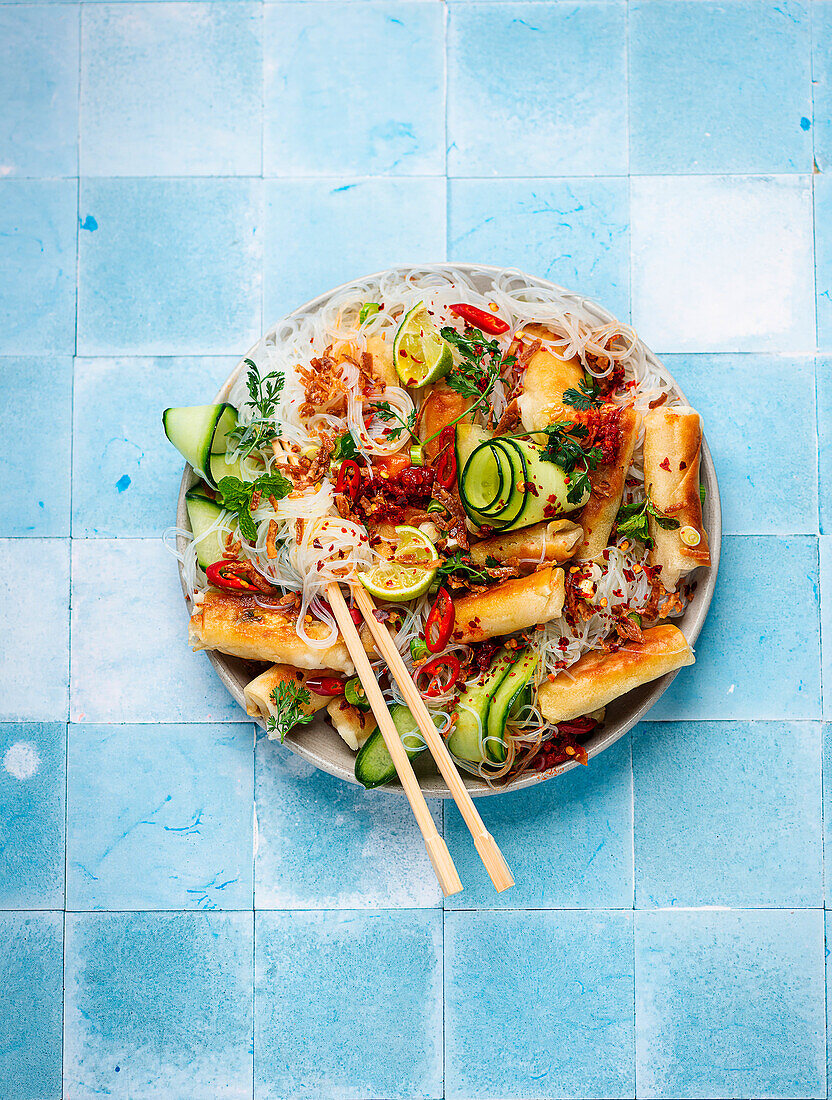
x=419, y=352
x=408, y=573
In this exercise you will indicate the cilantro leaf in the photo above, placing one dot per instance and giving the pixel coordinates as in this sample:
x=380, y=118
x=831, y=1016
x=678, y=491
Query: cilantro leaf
x=633, y=520
x=463, y=567
x=345, y=447
x=237, y=496
x=289, y=700
x=568, y=452
x=585, y=397
x=264, y=395
x=385, y=411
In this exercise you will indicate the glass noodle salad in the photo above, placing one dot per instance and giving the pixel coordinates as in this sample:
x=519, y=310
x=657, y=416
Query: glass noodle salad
x=510, y=477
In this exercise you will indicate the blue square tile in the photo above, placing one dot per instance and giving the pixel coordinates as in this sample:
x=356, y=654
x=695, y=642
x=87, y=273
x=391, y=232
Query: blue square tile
x=34, y=629
x=568, y=842
x=757, y=655
x=311, y=243
x=158, y=1004
x=574, y=232
x=171, y=89
x=169, y=267
x=374, y=857
x=150, y=826
x=826, y=621
x=37, y=266
x=751, y=789
x=348, y=1005
x=723, y=263
x=759, y=495
x=32, y=812
x=130, y=656
x=376, y=103
x=720, y=87
x=823, y=258
x=823, y=375
x=822, y=82
x=730, y=1004
x=538, y=1004
x=31, y=954
x=125, y=473
x=827, y=804
x=39, y=91
x=537, y=89
x=35, y=497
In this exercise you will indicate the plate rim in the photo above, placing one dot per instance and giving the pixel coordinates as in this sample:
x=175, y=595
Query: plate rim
x=691, y=623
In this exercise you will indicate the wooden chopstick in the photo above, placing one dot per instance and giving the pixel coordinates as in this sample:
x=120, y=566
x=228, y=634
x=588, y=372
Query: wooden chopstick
x=484, y=842
x=437, y=849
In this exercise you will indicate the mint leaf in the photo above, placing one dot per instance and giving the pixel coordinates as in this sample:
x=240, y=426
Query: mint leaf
x=236, y=497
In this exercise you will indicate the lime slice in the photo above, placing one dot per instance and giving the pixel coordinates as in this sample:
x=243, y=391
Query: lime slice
x=408, y=573
x=419, y=352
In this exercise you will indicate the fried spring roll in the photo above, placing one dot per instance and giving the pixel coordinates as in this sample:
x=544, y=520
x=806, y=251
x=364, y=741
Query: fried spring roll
x=510, y=606
x=440, y=408
x=607, y=480
x=546, y=380
x=242, y=627
x=258, y=693
x=672, y=443
x=354, y=725
x=598, y=678
x=531, y=547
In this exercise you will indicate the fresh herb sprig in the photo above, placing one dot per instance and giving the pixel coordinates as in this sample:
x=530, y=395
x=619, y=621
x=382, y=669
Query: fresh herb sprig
x=459, y=566
x=587, y=396
x=565, y=448
x=264, y=395
x=385, y=411
x=289, y=700
x=633, y=520
x=346, y=447
x=237, y=496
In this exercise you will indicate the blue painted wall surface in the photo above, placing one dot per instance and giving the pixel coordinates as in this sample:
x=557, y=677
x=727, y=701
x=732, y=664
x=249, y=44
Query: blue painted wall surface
x=188, y=911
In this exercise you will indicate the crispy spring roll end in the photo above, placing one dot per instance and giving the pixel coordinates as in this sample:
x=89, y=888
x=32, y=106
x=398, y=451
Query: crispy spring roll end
x=598, y=678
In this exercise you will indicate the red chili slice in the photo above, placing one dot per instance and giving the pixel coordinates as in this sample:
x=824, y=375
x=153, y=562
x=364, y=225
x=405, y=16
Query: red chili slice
x=441, y=673
x=440, y=622
x=237, y=576
x=349, y=478
x=446, y=463
x=494, y=326
x=325, y=685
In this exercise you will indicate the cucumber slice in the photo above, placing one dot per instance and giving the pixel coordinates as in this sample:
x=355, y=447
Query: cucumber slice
x=198, y=431
x=203, y=513
x=516, y=489
x=468, y=740
x=374, y=766
x=468, y=438
x=219, y=467
x=504, y=700
x=488, y=480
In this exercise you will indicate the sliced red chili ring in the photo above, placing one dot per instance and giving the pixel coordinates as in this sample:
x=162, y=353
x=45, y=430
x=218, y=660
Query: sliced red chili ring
x=325, y=685
x=237, y=576
x=441, y=673
x=349, y=478
x=440, y=622
x=494, y=326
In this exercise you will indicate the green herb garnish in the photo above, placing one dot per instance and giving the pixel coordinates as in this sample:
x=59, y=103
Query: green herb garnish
x=565, y=449
x=237, y=495
x=289, y=700
x=264, y=395
x=346, y=447
x=585, y=397
x=462, y=566
x=367, y=310
x=385, y=411
x=633, y=520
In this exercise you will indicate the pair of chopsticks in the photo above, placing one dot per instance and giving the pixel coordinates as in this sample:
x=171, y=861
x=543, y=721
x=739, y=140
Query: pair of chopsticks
x=440, y=857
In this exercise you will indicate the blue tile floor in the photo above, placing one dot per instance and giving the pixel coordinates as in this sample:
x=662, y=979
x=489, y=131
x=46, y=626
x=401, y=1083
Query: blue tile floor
x=188, y=911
